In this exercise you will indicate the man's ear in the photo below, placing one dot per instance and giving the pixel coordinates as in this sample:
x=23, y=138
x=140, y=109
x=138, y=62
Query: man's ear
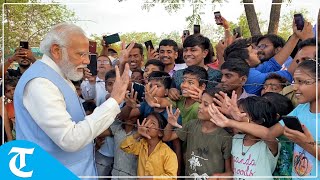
x=55, y=51
x=205, y=53
x=203, y=86
x=176, y=54
x=243, y=79
x=278, y=49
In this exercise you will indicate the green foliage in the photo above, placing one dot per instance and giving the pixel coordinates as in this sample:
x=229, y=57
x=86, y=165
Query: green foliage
x=172, y=6
x=138, y=37
x=243, y=23
x=30, y=22
x=285, y=23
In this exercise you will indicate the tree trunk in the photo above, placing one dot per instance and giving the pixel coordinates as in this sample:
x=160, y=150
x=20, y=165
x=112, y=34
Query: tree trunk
x=274, y=17
x=252, y=18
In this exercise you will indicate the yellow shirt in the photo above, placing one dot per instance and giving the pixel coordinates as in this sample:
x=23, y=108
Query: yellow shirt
x=161, y=162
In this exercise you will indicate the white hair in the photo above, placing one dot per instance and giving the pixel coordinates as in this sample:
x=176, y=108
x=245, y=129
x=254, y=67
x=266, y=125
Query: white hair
x=58, y=35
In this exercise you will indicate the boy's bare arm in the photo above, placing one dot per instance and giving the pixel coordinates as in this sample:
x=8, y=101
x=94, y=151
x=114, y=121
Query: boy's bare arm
x=105, y=133
x=169, y=133
x=177, y=150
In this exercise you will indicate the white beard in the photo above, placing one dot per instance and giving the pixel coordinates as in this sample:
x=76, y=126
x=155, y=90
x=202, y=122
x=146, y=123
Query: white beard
x=69, y=69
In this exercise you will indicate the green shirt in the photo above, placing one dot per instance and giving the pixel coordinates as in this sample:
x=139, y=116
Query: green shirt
x=188, y=113
x=206, y=152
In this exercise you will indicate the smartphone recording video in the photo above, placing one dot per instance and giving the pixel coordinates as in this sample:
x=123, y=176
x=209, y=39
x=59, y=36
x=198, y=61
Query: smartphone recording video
x=218, y=18
x=237, y=32
x=113, y=38
x=299, y=21
x=292, y=122
x=186, y=33
x=196, y=29
x=149, y=44
x=24, y=44
x=93, y=64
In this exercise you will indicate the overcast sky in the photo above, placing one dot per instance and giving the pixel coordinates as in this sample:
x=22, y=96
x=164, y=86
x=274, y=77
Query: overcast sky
x=110, y=16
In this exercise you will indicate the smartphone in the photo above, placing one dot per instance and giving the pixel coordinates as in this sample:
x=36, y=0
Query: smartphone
x=186, y=33
x=149, y=44
x=113, y=38
x=24, y=44
x=93, y=47
x=196, y=29
x=292, y=122
x=237, y=31
x=93, y=64
x=217, y=17
x=298, y=19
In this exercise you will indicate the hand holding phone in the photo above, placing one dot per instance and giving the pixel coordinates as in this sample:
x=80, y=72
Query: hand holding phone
x=149, y=44
x=292, y=122
x=113, y=38
x=299, y=21
x=186, y=33
x=237, y=31
x=218, y=18
x=24, y=44
x=93, y=64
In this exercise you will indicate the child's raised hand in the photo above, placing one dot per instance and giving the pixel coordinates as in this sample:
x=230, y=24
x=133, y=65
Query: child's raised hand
x=124, y=53
x=195, y=93
x=174, y=94
x=142, y=128
x=131, y=100
x=233, y=109
x=173, y=118
x=152, y=54
x=223, y=102
x=217, y=117
x=150, y=94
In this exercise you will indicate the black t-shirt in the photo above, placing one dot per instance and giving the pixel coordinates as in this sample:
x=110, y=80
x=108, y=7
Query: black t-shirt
x=15, y=73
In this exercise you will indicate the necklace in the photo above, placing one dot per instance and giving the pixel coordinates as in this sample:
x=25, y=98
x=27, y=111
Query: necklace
x=244, y=153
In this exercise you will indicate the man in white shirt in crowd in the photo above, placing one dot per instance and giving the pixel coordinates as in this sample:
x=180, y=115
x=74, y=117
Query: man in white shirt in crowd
x=93, y=87
x=47, y=108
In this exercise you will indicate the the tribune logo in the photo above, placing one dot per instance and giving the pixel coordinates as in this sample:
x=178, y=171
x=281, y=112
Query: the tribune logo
x=21, y=152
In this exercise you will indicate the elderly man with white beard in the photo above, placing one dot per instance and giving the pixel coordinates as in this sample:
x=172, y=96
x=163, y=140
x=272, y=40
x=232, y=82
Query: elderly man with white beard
x=47, y=108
